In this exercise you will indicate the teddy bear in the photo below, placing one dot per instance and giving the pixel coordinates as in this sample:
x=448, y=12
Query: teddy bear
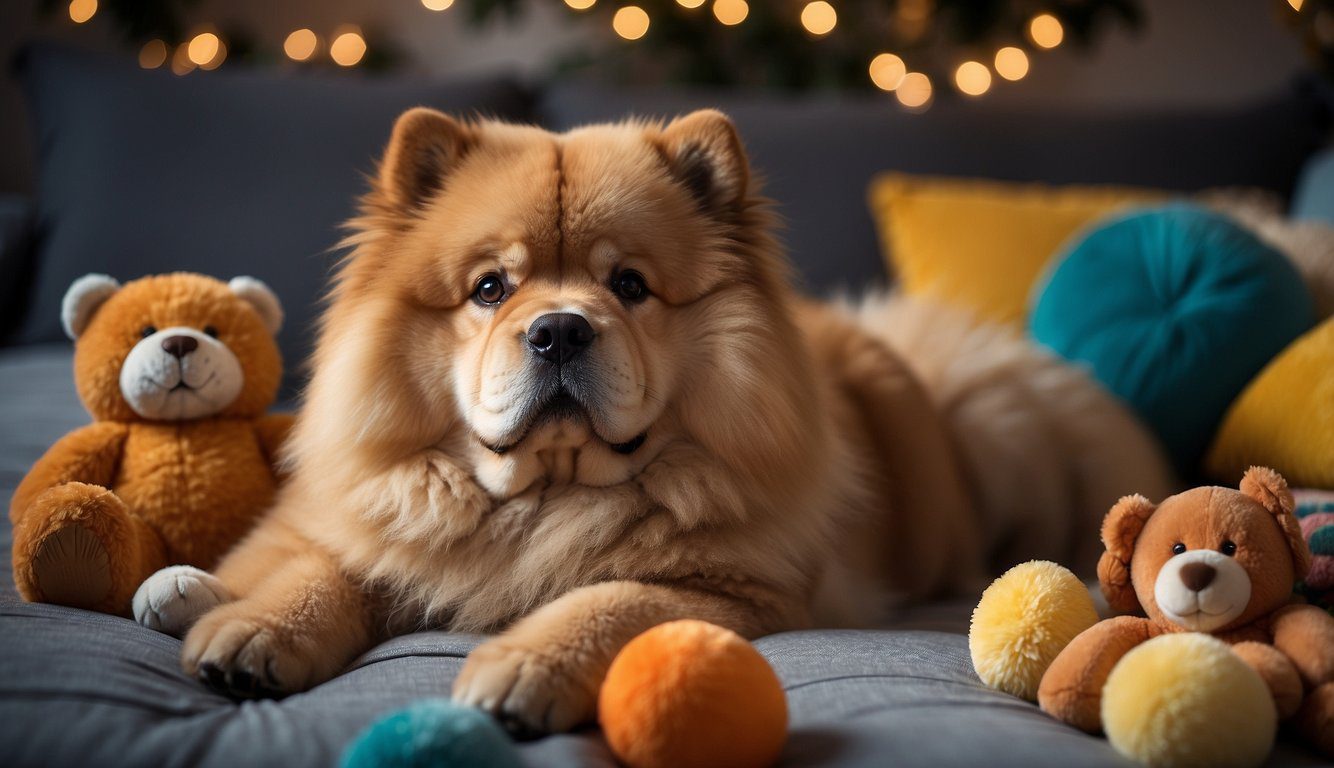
x=177, y=372
x=1217, y=562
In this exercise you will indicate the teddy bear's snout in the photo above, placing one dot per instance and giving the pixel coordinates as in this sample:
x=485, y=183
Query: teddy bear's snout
x=1197, y=576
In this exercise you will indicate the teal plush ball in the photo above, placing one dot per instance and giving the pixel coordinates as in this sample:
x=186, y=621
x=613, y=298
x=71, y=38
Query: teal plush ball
x=434, y=733
x=1174, y=309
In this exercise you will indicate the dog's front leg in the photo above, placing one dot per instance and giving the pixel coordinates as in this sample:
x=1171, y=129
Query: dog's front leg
x=543, y=675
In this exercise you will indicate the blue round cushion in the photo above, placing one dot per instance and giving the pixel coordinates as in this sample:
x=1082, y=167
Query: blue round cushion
x=433, y=733
x=1174, y=309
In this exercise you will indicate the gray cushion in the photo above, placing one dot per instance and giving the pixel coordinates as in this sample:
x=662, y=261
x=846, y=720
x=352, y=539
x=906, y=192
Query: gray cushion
x=818, y=154
x=227, y=173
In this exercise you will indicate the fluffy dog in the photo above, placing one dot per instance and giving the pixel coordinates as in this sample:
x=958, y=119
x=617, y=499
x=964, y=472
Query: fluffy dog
x=565, y=392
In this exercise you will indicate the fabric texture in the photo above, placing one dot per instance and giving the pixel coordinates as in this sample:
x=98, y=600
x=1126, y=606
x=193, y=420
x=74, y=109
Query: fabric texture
x=1173, y=309
x=223, y=173
x=979, y=245
x=1285, y=417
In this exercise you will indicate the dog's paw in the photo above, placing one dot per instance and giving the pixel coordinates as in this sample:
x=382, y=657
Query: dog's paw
x=531, y=691
x=174, y=598
x=244, y=653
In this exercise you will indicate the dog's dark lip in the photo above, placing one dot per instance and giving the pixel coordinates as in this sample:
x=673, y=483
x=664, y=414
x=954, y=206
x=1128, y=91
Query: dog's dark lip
x=560, y=405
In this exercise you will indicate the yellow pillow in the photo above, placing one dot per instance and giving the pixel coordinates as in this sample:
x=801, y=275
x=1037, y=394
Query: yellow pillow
x=980, y=245
x=1285, y=417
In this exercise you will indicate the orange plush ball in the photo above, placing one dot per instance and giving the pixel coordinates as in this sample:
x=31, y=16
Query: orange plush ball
x=691, y=693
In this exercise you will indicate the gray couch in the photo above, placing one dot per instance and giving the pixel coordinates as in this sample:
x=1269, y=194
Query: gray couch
x=248, y=173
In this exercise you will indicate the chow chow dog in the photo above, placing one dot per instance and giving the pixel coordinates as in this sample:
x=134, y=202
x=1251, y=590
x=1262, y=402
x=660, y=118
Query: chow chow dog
x=564, y=391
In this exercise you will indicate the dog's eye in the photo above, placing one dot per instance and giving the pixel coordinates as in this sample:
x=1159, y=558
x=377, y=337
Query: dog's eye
x=147, y=331
x=1178, y=548
x=210, y=331
x=1229, y=548
x=490, y=289
x=630, y=286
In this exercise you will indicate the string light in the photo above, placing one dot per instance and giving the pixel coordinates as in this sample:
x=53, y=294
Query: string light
x=348, y=46
x=1045, y=31
x=819, y=17
x=730, y=12
x=180, y=61
x=82, y=10
x=973, y=78
x=580, y=5
x=437, y=5
x=206, y=50
x=153, y=54
x=630, y=22
x=690, y=3
x=887, y=71
x=914, y=91
x=1011, y=63
x=301, y=44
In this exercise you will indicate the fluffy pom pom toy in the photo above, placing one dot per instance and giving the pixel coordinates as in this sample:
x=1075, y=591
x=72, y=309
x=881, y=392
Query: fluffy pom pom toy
x=1023, y=620
x=1186, y=699
x=432, y=734
x=1315, y=510
x=691, y=693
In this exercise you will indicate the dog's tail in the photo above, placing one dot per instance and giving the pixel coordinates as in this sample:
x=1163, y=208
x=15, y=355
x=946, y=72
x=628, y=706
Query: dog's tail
x=1045, y=448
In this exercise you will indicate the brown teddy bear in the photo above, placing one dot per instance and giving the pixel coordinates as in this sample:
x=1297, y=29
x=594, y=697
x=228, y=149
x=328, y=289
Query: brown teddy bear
x=1209, y=560
x=177, y=371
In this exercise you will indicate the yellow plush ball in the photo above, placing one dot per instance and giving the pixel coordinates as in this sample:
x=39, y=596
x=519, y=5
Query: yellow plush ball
x=1185, y=700
x=688, y=693
x=1023, y=620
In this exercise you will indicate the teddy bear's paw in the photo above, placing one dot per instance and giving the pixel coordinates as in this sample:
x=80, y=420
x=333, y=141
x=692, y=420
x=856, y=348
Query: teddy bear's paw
x=172, y=600
x=71, y=567
x=531, y=691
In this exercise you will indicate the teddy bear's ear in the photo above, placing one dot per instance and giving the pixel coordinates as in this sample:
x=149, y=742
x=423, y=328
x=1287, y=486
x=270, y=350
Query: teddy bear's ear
x=82, y=300
x=1120, y=529
x=1268, y=487
x=258, y=295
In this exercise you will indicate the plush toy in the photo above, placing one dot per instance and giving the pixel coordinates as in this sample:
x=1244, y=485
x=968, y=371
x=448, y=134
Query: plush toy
x=1315, y=511
x=177, y=372
x=1209, y=560
x=692, y=693
x=433, y=733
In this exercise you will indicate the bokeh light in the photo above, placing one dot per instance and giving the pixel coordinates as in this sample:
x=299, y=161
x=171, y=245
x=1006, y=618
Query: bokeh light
x=348, y=46
x=630, y=22
x=580, y=5
x=819, y=17
x=206, y=50
x=153, y=54
x=914, y=91
x=1011, y=63
x=437, y=5
x=180, y=60
x=887, y=71
x=730, y=12
x=973, y=78
x=1045, y=31
x=1296, y=5
x=301, y=44
x=690, y=3
x=82, y=10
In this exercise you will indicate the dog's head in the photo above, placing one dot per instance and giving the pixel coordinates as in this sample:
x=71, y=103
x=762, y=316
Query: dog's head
x=173, y=347
x=1208, y=559
x=562, y=305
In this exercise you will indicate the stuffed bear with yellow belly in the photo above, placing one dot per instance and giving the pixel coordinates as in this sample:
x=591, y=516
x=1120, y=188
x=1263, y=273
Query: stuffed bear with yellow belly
x=177, y=371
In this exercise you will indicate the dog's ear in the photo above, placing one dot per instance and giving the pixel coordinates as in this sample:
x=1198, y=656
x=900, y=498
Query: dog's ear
x=704, y=153
x=82, y=300
x=1120, y=529
x=425, y=146
x=1268, y=487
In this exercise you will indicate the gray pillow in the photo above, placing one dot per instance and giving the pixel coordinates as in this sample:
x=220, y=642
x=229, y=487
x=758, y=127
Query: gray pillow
x=227, y=173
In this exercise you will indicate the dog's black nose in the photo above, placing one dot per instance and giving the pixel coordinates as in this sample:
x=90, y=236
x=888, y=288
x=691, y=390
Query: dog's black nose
x=1197, y=576
x=180, y=346
x=560, y=336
